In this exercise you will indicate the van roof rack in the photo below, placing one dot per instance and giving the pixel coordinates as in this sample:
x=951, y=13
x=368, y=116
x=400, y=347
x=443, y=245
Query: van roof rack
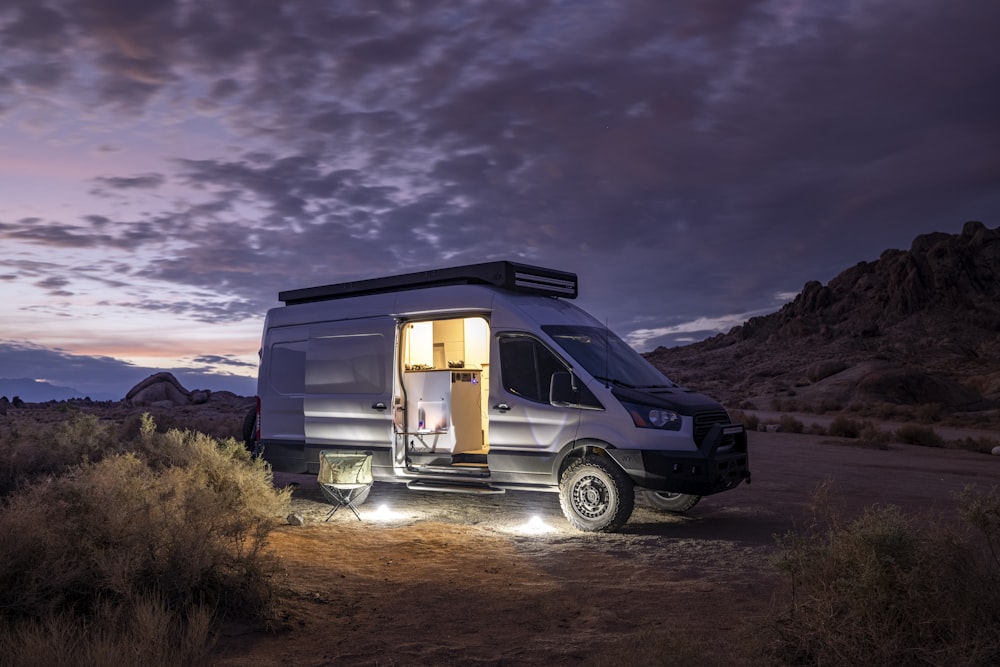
x=508, y=275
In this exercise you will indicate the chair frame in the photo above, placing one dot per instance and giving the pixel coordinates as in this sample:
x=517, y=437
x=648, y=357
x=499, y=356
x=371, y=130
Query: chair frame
x=355, y=470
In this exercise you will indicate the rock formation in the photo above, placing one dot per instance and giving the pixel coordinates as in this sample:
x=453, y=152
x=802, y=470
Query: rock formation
x=163, y=390
x=914, y=327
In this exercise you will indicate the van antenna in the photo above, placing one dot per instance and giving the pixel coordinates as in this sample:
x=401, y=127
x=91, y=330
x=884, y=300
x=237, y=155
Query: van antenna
x=607, y=353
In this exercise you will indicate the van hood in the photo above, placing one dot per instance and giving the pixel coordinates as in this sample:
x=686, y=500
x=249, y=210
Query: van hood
x=678, y=399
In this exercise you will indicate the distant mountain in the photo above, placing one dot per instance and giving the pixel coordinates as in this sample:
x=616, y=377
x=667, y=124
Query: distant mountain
x=35, y=391
x=914, y=327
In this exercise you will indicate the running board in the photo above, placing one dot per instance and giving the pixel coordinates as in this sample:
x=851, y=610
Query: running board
x=423, y=485
x=472, y=471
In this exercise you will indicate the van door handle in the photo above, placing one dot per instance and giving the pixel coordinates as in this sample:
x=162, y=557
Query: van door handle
x=502, y=407
x=378, y=405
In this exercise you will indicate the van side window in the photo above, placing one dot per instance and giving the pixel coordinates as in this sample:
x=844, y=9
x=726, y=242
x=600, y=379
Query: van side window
x=526, y=367
x=286, y=371
x=350, y=364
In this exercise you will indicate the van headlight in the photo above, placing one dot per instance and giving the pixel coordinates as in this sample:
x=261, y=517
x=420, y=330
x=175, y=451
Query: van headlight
x=645, y=416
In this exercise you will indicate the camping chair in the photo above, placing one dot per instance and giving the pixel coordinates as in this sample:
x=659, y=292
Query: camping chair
x=345, y=479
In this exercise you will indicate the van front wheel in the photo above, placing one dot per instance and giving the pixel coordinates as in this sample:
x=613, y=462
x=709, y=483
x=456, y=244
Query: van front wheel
x=596, y=495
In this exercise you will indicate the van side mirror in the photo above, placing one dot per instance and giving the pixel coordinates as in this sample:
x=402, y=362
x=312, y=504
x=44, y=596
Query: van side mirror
x=562, y=390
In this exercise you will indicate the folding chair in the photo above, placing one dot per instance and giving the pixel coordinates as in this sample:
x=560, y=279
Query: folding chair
x=345, y=479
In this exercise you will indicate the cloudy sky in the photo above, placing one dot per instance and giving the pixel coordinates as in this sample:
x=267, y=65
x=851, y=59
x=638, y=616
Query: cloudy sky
x=168, y=166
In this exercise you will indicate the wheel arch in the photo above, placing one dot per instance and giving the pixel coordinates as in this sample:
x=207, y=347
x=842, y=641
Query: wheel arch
x=579, y=449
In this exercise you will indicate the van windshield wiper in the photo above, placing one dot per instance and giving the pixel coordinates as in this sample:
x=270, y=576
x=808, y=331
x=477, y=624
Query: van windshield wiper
x=615, y=382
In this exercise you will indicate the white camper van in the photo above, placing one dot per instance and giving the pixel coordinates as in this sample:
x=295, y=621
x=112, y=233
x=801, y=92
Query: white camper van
x=482, y=379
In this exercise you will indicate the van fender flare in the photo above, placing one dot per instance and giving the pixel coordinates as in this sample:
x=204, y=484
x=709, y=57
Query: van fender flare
x=579, y=449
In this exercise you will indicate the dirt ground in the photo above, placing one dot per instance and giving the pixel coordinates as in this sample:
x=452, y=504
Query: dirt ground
x=448, y=579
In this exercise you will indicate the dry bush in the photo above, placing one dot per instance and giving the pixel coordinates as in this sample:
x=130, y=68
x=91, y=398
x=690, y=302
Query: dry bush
x=816, y=429
x=914, y=434
x=142, y=633
x=982, y=445
x=180, y=518
x=751, y=422
x=886, y=589
x=843, y=427
x=30, y=451
x=873, y=435
x=790, y=424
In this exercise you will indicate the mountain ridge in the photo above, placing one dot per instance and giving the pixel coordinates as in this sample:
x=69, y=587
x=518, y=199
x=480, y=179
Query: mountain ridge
x=915, y=327
x=37, y=391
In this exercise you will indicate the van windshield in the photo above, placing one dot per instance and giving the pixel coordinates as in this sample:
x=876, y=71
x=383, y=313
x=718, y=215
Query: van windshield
x=607, y=357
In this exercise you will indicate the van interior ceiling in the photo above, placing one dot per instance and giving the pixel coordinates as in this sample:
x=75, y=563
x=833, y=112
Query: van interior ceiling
x=442, y=414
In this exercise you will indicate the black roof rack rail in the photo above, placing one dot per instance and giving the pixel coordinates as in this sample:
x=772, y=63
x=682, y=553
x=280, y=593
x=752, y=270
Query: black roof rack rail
x=508, y=275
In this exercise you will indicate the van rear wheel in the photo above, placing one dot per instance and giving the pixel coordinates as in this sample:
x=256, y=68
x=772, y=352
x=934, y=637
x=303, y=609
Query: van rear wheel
x=671, y=502
x=596, y=495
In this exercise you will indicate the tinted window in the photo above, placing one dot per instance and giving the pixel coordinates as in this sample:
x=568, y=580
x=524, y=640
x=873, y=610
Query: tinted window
x=606, y=356
x=526, y=367
x=352, y=364
x=287, y=367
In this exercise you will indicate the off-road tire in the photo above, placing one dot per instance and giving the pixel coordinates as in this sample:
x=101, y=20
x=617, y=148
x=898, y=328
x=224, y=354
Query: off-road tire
x=596, y=495
x=249, y=428
x=677, y=503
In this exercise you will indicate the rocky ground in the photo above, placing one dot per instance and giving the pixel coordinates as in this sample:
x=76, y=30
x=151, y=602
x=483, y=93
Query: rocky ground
x=445, y=579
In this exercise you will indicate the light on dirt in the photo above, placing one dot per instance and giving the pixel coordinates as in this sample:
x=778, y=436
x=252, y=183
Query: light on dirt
x=535, y=526
x=383, y=513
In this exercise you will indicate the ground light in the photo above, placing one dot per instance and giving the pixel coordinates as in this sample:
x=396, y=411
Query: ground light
x=535, y=526
x=383, y=513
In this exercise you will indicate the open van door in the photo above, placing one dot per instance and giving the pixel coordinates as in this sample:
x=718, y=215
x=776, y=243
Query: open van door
x=348, y=384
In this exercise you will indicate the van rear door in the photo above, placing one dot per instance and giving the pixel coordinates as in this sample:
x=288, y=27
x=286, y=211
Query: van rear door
x=348, y=384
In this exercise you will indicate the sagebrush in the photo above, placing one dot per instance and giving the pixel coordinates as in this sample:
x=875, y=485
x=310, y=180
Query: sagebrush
x=890, y=589
x=102, y=528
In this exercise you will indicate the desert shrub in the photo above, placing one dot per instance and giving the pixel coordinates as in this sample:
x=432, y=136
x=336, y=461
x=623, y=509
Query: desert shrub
x=34, y=451
x=927, y=413
x=216, y=424
x=843, y=427
x=872, y=435
x=982, y=444
x=145, y=632
x=885, y=589
x=816, y=429
x=751, y=422
x=181, y=518
x=915, y=434
x=790, y=424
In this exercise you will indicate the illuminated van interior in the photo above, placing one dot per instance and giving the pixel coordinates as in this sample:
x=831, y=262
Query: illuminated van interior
x=446, y=383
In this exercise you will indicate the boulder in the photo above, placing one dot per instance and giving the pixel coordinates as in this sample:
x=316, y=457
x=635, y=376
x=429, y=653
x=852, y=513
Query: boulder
x=163, y=390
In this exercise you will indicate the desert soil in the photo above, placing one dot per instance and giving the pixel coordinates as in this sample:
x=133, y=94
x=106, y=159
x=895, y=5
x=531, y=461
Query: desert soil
x=461, y=580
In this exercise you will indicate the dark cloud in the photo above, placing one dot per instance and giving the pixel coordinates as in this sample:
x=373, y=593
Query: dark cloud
x=122, y=234
x=691, y=163
x=142, y=182
x=218, y=360
x=53, y=283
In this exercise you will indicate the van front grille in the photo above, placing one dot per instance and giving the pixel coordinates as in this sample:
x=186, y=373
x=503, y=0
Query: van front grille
x=703, y=422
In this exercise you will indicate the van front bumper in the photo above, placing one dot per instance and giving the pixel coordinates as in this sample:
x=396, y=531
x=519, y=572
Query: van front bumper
x=721, y=463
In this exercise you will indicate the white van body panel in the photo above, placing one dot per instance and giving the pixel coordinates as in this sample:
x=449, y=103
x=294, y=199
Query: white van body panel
x=335, y=374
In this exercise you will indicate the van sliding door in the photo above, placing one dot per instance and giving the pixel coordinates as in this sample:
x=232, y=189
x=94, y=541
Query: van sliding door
x=348, y=384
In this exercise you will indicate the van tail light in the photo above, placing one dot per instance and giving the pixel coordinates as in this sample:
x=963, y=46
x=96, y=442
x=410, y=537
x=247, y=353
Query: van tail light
x=256, y=427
